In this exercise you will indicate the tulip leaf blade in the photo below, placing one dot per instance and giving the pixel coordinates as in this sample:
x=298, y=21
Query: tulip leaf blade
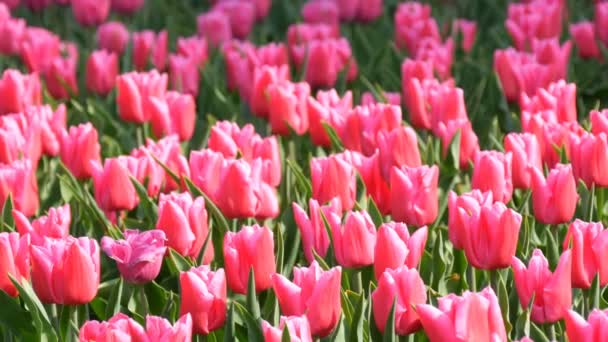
x=356, y=326
x=254, y=328
x=280, y=248
x=113, y=305
x=454, y=151
x=252, y=300
x=301, y=179
x=14, y=317
x=374, y=213
x=208, y=239
x=215, y=212
x=285, y=335
x=336, y=143
x=7, y=214
x=40, y=317
x=150, y=209
x=389, y=328
x=177, y=262
x=168, y=170
x=229, y=333
x=320, y=261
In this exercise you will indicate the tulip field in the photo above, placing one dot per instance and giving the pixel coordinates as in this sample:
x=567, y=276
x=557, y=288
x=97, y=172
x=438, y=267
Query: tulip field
x=303, y=170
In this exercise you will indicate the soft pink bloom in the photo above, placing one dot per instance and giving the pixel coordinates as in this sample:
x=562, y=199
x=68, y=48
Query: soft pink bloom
x=585, y=239
x=79, y=147
x=354, y=240
x=589, y=155
x=120, y=327
x=173, y=113
x=600, y=19
x=314, y=293
x=114, y=190
x=526, y=153
x=215, y=27
x=287, y=107
x=127, y=6
x=393, y=98
x=159, y=329
x=469, y=145
x=533, y=20
x=241, y=15
x=150, y=47
x=469, y=203
x=599, y=121
x=113, y=36
x=250, y=248
x=468, y=30
x=583, y=34
x=55, y=224
x=134, y=91
x=14, y=261
x=39, y=47
x=312, y=228
x=552, y=292
x=193, y=47
x=324, y=12
x=364, y=123
x=20, y=91
x=66, y=271
x=414, y=194
x=60, y=77
x=90, y=12
x=559, y=97
x=398, y=147
x=554, y=198
x=594, y=329
x=184, y=72
x=329, y=108
x=492, y=172
x=102, y=69
x=413, y=22
x=298, y=327
x=19, y=181
x=333, y=177
x=440, y=54
x=263, y=78
x=12, y=30
x=395, y=247
x=203, y=296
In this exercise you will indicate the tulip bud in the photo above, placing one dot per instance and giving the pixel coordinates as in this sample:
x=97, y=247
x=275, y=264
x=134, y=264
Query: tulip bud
x=593, y=329
x=20, y=91
x=19, y=181
x=492, y=172
x=395, y=247
x=134, y=90
x=414, y=194
x=79, y=148
x=112, y=36
x=203, y=296
x=297, y=326
x=184, y=74
x=354, y=241
x=333, y=177
x=120, y=326
x=215, y=27
x=90, y=12
x=554, y=198
x=526, y=153
x=150, y=47
x=585, y=239
x=589, y=155
x=287, y=107
x=55, y=225
x=113, y=187
x=102, y=69
x=14, y=261
x=312, y=229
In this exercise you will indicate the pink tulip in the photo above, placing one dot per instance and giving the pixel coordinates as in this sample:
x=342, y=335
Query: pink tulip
x=585, y=240
x=558, y=96
x=426, y=99
x=101, y=72
x=328, y=107
x=14, y=261
x=119, y=327
x=314, y=293
x=113, y=36
x=411, y=69
x=368, y=10
x=251, y=248
x=554, y=198
x=312, y=228
x=150, y=47
x=552, y=292
x=600, y=19
x=184, y=221
x=174, y=113
x=195, y=48
x=526, y=153
x=370, y=170
x=560, y=136
x=241, y=15
x=184, y=74
x=395, y=247
x=20, y=91
x=333, y=177
x=113, y=188
x=301, y=33
x=414, y=196
x=398, y=147
x=287, y=107
x=364, y=123
x=324, y=12
x=158, y=329
x=127, y=7
x=66, y=271
x=468, y=30
x=474, y=316
x=528, y=21
x=90, y=12
x=79, y=147
x=139, y=256
x=203, y=296
x=215, y=27
x=492, y=172
x=404, y=287
x=11, y=4
x=55, y=225
x=14, y=30
x=298, y=327
x=263, y=78
x=589, y=155
x=326, y=59
x=61, y=79
x=19, y=139
x=470, y=203
x=39, y=47
x=413, y=22
x=19, y=181
x=52, y=124
x=583, y=34
x=440, y=54
x=599, y=121
x=133, y=92
x=469, y=145
x=37, y=5
x=354, y=240
x=594, y=329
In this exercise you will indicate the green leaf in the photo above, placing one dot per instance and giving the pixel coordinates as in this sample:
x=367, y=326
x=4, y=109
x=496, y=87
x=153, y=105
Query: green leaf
x=7, y=214
x=285, y=336
x=454, y=155
x=39, y=315
x=254, y=328
x=374, y=212
x=113, y=306
x=280, y=247
x=356, y=326
x=169, y=172
x=301, y=180
x=389, y=328
x=215, y=212
x=336, y=143
x=252, y=300
x=178, y=263
x=324, y=266
x=149, y=207
x=201, y=254
x=229, y=333
x=14, y=317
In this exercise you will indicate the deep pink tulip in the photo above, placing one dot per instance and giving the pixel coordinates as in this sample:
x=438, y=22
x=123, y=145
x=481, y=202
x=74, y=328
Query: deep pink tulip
x=398, y=147
x=368, y=10
x=90, y=12
x=583, y=34
x=440, y=54
x=329, y=108
x=554, y=198
x=215, y=27
x=101, y=72
x=288, y=108
x=263, y=78
x=354, y=240
x=133, y=92
x=393, y=98
x=552, y=292
x=114, y=190
x=159, y=329
x=52, y=124
x=314, y=293
x=421, y=95
x=395, y=247
x=599, y=121
x=79, y=147
x=468, y=30
x=533, y=20
x=55, y=224
x=414, y=194
x=404, y=287
x=11, y=4
x=13, y=29
x=469, y=145
x=474, y=316
x=120, y=327
x=324, y=12
x=37, y=5
x=113, y=36
x=14, y=261
x=185, y=222
x=298, y=327
x=312, y=228
x=241, y=15
x=21, y=91
x=174, y=113
x=66, y=271
x=251, y=248
x=559, y=136
x=203, y=296
x=39, y=47
x=194, y=47
x=370, y=170
x=19, y=138
x=492, y=172
x=600, y=251
x=585, y=239
x=150, y=48
x=184, y=74
x=413, y=22
x=589, y=155
x=326, y=58
x=333, y=177
x=127, y=6
x=139, y=256
x=526, y=152
x=600, y=19
x=420, y=70
x=61, y=79
x=558, y=96
x=364, y=123
x=594, y=329
x=470, y=203
x=19, y=181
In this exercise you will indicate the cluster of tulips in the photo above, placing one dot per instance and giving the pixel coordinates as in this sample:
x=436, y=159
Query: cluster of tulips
x=334, y=214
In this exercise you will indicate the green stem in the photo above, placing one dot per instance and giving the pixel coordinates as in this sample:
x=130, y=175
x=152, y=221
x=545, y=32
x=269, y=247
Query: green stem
x=472, y=280
x=356, y=281
x=493, y=275
x=143, y=300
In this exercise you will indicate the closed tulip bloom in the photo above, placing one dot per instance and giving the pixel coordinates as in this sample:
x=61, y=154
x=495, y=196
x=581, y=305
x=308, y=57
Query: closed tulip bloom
x=474, y=316
x=184, y=221
x=52, y=125
x=589, y=155
x=133, y=92
x=298, y=327
x=364, y=123
x=594, y=329
x=118, y=328
x=55, y=224
x=150, y=47
x=559, y=136
x=79, y=147
x=241, y=15
x=554, y=198
x=61, y=79
x=353, y=241
x=101, y=72
x=21, y=91
x=14, y=28
x=127, y=6
x=203, y=296
x=328, y=107
x=600, y=252
x=414, y=194
x=18, y=180
x=11, y=4
x=19, y=139
x=369, y=10
x=393, y=98
x=583, y=34
x=251, y=247
x=599, y=121
x=552, y=292
x=90, y=12
x=468, y=30
x=113, y=36
x=14, y=261
x=325, y=12
x=312, y=228
x=215, y=27
x=184, y=74
x=395, y=247
x=491, y=234
x=470, y=203
x=66, y=271
x=314, y=293
x=193, y=47
x=413, y=22
x=158, y=329
x=287, y=107
x=404, y=287
x=333, y=177
x=113, y=188
x=583, y=238
x=263, y=78
x=492, y=172
x=139, y=256
x=174, y=113
x=559, y=97
x=469, y=144
x=38, y=49
x=526, y=153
